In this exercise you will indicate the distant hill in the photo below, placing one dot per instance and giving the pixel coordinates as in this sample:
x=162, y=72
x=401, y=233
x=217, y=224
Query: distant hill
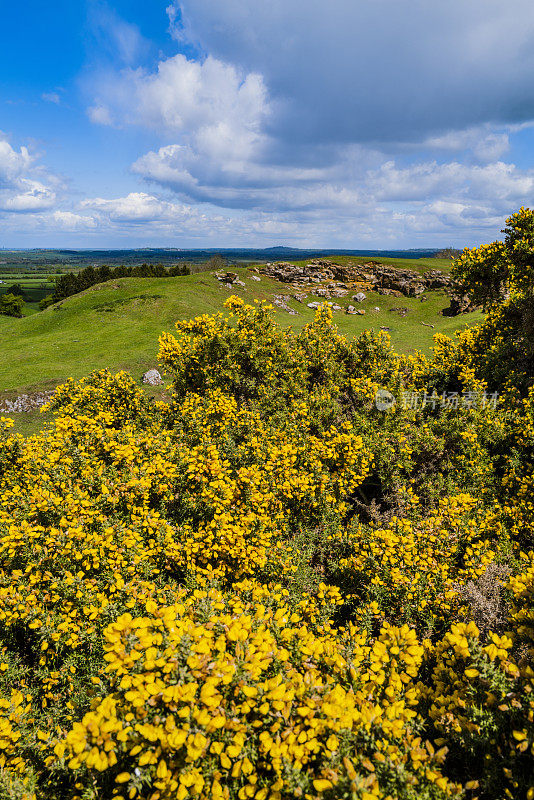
x=41, y=259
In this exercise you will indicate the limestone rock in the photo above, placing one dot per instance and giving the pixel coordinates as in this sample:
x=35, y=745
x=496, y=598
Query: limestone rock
x=226, y=277
x=25, y=402
x=385, y=278
x=152, y=377
x=281, y=300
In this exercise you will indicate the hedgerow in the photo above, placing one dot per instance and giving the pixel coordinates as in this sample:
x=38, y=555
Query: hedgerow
x=264, y=586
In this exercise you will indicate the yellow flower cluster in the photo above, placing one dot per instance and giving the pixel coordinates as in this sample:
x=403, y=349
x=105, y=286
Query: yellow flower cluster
x=481, y=698
x=413, y=569
x=214, y=697
x=265, y=587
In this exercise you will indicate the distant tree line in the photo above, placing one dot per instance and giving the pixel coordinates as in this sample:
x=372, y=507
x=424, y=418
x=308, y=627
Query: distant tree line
x=74, y=282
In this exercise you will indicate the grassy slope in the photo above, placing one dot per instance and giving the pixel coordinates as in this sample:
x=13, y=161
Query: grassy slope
x=117, y=325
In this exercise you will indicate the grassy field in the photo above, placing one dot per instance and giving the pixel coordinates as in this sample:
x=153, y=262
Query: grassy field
x=34, y=285
x=117, y=325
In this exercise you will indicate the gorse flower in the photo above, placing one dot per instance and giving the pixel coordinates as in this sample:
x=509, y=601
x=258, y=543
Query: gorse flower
x=257, y=588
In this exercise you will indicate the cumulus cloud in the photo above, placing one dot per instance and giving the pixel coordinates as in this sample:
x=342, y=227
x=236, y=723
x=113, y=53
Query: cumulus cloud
x=70, y=221
x=483, y=142
x=428, y=180
x=239, y=183
x=136, y=207
x=158, y=217
x=24, y=185
x=375, y=70
x=378, y=122
x=348, y=110
x=211, y=103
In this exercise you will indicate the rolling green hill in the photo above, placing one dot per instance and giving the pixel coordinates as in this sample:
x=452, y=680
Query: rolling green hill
x=117, y=324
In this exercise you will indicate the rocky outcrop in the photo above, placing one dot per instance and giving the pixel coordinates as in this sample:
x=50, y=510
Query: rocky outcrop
x=226, y=277
x=460, y=304
x=385, y=279
x=25, y=402
x=281, y=301
x=327, y=280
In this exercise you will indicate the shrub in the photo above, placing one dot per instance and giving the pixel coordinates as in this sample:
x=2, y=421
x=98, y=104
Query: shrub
x=11, y=305
x=265, y=587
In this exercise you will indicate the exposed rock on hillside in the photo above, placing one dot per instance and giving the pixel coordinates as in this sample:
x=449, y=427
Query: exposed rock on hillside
x=152, y=377
x=384, y=278
x=460, y=304
x=282, y=300
x=326, y=279
x=25, y=402
x=226, y=277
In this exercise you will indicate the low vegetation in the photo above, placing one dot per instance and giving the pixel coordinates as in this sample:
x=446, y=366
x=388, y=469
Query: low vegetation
x=11, y=304
x=73, y=282
x=307, y=573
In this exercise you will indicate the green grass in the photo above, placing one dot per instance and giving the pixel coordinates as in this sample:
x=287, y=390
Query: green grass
x=117, y=324
x=35, y=287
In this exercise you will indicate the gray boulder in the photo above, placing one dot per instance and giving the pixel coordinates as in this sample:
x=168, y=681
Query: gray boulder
x=152, y=377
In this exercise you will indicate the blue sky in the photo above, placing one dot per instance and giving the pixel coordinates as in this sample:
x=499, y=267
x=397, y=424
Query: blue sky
x=191, y=123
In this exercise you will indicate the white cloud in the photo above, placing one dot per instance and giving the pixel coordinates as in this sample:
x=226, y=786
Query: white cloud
x=69, y=221
x=115, y=37
x=136, y=207
x=199, y=176
x=298, y=109
x=158, y=217
x=29, y=195
x=51, y=97
x=485, y=144
x=100, y=115
x=375, y=122
x=213, y=104
x=12, y=163
x=24, y=186
x=495, y=182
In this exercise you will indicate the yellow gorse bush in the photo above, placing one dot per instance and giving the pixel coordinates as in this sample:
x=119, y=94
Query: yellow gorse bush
x=263, y=586
x=218, y=697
